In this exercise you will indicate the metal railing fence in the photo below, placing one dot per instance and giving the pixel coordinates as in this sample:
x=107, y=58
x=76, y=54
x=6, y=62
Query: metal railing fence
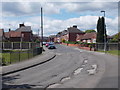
x=9, y=56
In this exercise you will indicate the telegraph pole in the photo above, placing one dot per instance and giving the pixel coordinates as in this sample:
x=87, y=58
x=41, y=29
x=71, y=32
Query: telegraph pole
x=41, y=27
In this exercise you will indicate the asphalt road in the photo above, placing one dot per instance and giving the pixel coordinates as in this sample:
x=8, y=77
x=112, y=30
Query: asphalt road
x=71, y=68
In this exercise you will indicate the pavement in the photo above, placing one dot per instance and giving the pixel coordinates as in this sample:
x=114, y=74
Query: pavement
x=46, y=56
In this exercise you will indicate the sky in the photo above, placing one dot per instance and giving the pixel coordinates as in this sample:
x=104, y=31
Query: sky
x=58, y=15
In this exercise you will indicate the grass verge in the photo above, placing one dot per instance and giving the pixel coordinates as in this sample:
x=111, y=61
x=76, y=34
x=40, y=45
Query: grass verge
x=113, y=52
x=15, y=56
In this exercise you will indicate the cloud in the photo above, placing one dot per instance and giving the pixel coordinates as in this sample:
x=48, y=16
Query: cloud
x=60, y=1
x=53, y=26
x=29, y=12
x=30, y=8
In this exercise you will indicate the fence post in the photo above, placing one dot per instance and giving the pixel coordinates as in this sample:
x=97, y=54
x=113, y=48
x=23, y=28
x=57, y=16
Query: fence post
x=19, y=55
x=28, y=54
x=10, y=57
x=29, y=45
x=21, y=45
x=12, y=45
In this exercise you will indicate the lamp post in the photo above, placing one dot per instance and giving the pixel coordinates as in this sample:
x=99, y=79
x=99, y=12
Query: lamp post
x=104, y=33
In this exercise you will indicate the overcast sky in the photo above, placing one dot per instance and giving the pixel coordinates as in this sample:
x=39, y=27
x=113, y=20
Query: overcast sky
x=58, y=16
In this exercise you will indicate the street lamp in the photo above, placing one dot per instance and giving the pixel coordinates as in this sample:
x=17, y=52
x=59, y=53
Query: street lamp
x=104, y=32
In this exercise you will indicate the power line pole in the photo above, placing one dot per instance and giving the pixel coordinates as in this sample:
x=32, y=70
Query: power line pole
x=41, y=27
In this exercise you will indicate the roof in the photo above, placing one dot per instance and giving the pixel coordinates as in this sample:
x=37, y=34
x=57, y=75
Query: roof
x=24, y=29
x=52, y=36
x=79, y=37
x=64, y=32
x=74, y=30
x=116, y=34
x=89, y=35
x=12, y=34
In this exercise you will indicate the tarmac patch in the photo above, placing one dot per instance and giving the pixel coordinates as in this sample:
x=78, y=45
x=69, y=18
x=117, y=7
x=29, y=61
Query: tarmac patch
x=65, y=79
x=77, y=71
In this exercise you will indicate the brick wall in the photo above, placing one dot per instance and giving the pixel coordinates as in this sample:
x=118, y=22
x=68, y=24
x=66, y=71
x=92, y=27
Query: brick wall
x=27, y=36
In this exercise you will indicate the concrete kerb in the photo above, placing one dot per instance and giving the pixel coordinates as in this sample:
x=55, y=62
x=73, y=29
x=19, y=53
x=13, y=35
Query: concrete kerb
x=40, y=59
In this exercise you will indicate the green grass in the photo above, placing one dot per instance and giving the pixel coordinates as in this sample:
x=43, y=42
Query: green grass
x=6, y=58
x=15, y=56
x=113, y=52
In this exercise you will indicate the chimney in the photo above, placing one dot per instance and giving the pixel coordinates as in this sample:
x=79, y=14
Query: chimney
x=75, y=26
x=9, y=29
x=21, y=25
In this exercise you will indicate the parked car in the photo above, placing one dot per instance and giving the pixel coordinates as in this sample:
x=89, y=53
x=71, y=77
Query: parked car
x=49, y=43
x=51, y=47
x=44, y=43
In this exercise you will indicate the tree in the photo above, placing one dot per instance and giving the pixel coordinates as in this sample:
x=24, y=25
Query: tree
x=89, y=31
x=116, y=37
x=101, y=34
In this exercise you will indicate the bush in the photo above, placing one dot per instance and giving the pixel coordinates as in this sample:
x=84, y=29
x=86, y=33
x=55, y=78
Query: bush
x=88, y=44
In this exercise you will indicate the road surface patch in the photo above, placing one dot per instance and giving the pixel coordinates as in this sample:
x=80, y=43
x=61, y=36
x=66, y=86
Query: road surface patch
x=78, y=71
x=85, y=61
x=53, y=85
x=65, y=79
x=93, y=70
x=58, y=53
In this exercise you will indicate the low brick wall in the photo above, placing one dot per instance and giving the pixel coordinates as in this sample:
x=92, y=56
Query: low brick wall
x=79, y=46
x=73, y=45
x=87, y=48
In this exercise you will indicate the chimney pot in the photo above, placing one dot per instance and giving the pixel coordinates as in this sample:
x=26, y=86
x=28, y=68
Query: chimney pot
x=21, y=25
x=75, y=26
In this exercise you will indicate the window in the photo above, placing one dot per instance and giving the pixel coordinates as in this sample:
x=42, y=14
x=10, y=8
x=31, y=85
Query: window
x=88, y=41
x=94, y=40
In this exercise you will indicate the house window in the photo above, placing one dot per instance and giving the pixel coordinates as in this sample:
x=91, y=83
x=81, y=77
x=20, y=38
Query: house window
x=22, y=35
x=94, y=40
x=84, y=40
x=88, y=41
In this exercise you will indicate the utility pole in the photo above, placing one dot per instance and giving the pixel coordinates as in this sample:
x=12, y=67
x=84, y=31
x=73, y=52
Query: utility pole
x=104, y=33
x=38, y=32
x=41, y=27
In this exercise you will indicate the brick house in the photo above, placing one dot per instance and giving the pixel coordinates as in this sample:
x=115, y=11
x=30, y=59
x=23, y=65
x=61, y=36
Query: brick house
x=51, y=38
x=89, y=37
x=58, y=37
x=26, y=33
x=22, y=34
x=13, y=36
x=70, y=34
x=73, y=32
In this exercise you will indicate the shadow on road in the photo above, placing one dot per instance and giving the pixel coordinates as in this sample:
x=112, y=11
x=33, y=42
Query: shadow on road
x=10, y=79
